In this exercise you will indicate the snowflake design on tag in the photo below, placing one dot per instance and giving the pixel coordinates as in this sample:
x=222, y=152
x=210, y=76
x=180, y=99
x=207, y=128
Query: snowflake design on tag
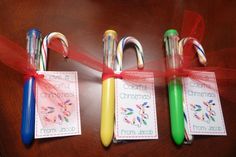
x=57, y=114
x=205, y=113
x=136, y=116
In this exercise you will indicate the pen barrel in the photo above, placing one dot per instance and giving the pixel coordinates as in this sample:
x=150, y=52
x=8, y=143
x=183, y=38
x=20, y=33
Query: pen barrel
x=174, y=61
x=176, y=109
x=107, y=111
x=28, y=112
x=108, y=89
x=28, y=108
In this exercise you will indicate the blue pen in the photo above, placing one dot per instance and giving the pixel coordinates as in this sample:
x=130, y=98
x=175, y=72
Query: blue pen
x=28, y=110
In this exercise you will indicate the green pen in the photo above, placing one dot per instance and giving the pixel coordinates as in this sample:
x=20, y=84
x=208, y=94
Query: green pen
x=175, y=88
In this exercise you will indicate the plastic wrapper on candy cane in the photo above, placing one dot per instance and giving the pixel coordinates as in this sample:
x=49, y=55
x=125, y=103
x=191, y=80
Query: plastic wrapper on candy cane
x=44, y=49
x=120, y=50
x=202, y=59
x=61, y=111
x=140, y=118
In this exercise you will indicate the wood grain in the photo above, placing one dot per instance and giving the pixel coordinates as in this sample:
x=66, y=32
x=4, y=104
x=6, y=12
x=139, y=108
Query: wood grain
x=84, y=22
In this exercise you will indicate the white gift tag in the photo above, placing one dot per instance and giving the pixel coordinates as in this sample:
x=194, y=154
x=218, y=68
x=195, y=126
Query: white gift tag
x=202, y=105
x=57, y=105
x=135, y=110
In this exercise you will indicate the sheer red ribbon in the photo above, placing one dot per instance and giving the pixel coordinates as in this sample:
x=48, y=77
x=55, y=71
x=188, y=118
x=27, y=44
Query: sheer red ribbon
x=193, y=26
x=15, y=57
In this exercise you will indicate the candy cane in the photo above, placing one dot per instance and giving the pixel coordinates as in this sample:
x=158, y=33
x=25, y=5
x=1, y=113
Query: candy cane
x=198, y=47
x=44, y=49
x=43, y=60
x=120, y=50
x=202, y=59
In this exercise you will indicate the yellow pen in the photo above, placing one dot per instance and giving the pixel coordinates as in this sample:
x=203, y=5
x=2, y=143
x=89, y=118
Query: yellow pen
x=108, y=89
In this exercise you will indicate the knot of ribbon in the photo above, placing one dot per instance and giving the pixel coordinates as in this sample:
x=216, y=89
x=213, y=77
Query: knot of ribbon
x=111, y=74
x=34, y=74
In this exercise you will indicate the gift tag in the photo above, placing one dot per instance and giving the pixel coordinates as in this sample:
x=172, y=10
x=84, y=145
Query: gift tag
x=57, y=105
x=202, y=105
x=135, y=111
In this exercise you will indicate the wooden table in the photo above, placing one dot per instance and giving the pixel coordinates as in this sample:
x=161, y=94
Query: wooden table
x=84, y=23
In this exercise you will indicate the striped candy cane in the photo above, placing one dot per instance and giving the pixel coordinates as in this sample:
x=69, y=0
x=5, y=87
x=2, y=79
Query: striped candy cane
x=119, y=57
x=202, y=59
x=44, y=49
x=197, y=46
x=120, y=50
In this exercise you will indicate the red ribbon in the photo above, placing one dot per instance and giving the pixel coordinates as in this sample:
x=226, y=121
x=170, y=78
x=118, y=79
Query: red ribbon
x=15, y=57
x=34, y=74
x=111, y=75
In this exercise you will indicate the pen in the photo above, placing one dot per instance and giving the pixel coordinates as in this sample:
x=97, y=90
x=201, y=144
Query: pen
x=108, y=89
x=28, y=109
x=175, y=87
